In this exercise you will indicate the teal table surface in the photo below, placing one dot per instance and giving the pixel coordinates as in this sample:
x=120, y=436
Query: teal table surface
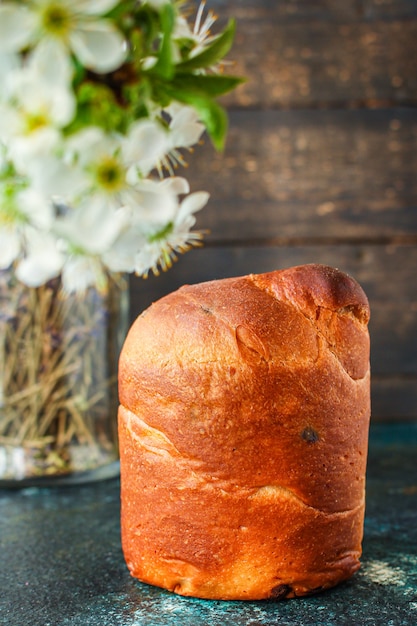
x=62, y=565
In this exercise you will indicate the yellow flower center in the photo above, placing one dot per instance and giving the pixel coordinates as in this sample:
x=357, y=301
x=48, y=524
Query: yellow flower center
x=56, y=19
x=109, y=174
x=35, y=121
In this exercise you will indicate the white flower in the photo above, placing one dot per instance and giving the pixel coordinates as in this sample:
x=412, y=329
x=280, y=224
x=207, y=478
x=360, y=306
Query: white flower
x=32, y=119
x=161, y=249
x=95, y=157
x=80, y=272
x=201, y=29
x=55, y=178
x=9, y=64
x=91, y=228
x=185, y=127
x=181, y=237
x=25, y=149
x=176, y=185
x=121, y=256
x=83, y=157
x=145, y=145
x=10, y=246
x=64, y=25
x=24, y=214
x=200, y=33
x=153, y=203
x=155, y=207
x=19, y=207
x=34, y=208
x=42, y=260
x=58, y=73
x=185, y=130
x=147, y=240
x=85, y=235
x=112, y=168
x=112, y=162
x=149, y=257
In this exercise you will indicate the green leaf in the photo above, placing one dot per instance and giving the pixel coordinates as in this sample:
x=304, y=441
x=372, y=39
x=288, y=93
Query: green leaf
x=212, y=115
x=213, y=53
x=121, y=9
x=207, y=84
x=164, y=67
x=97, y=106
x=199, y=92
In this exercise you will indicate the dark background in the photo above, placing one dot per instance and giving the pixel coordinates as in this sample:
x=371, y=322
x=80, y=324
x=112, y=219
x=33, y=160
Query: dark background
x=320, y=166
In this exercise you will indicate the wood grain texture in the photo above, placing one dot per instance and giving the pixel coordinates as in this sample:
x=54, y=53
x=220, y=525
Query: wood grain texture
x=387, y=273
x=311, y=174
x=393, y=399
x=323, y=54
x=306, y=10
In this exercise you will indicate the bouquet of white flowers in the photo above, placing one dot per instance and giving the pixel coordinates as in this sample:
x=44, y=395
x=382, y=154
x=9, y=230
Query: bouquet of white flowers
x=99, y=103
x=99, y=100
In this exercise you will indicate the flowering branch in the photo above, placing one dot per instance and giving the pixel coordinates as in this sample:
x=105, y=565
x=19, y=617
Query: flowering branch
x=98, y=101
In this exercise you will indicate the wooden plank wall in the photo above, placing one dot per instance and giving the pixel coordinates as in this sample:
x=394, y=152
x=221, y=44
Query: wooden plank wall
x=320, y=166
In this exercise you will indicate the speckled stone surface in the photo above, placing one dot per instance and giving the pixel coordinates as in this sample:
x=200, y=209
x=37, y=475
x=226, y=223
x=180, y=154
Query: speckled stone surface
x=61, y=560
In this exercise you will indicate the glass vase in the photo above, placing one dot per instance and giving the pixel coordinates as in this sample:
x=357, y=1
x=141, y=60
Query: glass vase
x=58, y=381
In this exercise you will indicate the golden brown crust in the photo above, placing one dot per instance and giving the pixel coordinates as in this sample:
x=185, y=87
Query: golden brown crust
x=243, y=435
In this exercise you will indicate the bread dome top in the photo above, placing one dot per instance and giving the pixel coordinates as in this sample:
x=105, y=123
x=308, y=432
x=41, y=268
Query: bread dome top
x=216, y=370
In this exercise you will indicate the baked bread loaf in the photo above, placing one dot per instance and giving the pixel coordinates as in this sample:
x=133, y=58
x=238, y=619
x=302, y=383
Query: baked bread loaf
x=243, y=423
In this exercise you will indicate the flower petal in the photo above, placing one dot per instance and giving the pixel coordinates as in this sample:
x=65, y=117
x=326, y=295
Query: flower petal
x=42, y=262
x=54, y=178
x=9, y=66
x=80, y=272
x=176, y=185
x=185, y=127
x=36, y=207
x=191, y=204
x=10, y=123
x=94, y=7
x=147, y=259
x=9, y=247
x=92, y=226
x=57, y=73
x=121, y=256
x=25, y=150
x=17, y=24
x=89, y=144
x=156, y=206
x=146, y=144
x=99, y=46
x=187, y=136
